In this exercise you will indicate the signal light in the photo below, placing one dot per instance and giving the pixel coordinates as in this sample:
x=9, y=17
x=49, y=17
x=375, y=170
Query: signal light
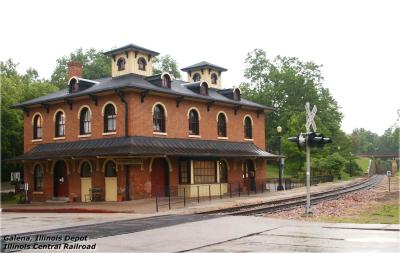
x=312, y=139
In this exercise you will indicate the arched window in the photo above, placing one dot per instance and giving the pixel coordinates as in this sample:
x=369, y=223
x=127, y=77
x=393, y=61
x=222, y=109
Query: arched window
x=204, y=88
x=37, y=127
x=86, y=170
x=121, y=64
x=85, y=121
x=196, y=77
x=214, y=78
x=73, y=85
x=221, y=125
x=194, y=122
x=236, y=94
x=248, y=131
x=110, y=169
x=159, y=119
x=142, y=63
x=110, y=119
x=60, y=124
x=166, y=81
x=38, y=178
x=223, y=172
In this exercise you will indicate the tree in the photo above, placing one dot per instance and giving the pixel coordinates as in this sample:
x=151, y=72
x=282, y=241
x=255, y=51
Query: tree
x=95, y=65
x=286, y=84
x=168, y=64
x=16, y=88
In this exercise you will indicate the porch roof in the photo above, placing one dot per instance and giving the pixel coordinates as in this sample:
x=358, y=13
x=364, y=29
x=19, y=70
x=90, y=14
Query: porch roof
x=144, y=146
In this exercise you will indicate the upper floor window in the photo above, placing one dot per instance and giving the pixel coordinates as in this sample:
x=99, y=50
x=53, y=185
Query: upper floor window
x=214, y=78
x=196, y=77
x=85, y=118
x=194, y=122
x=121, y=64
x=110, y=118
x=86, y=169
x=204, y=88
x=236, y=94
x=159, y=119
x=166, y=81
x=38, y=178
x=37, y=127
x=248, y=132
x=142, y=63
x=110, y=169
x=221, y=125
x=60, y=124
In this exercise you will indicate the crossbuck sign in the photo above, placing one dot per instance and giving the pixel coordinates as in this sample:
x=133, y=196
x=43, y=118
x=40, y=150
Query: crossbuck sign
x=310, y=117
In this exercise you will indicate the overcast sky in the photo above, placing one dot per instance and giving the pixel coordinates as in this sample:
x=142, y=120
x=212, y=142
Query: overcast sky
x=356, y=41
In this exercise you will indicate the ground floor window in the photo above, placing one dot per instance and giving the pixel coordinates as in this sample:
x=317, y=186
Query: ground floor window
x=205, y=172
x=184, y=172
x=38, y=175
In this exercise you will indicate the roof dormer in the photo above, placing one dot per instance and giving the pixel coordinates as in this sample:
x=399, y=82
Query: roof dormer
x=131, y=59
x=163, y=80
x=233, y=93
x=205, y=71
x=76, y=84
x=198, y=87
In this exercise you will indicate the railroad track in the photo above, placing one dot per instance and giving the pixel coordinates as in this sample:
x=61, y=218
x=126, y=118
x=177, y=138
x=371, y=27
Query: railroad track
x=290, y=203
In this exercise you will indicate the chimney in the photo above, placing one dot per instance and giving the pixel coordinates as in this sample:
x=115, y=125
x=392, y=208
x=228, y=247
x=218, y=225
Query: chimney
x=74, y=69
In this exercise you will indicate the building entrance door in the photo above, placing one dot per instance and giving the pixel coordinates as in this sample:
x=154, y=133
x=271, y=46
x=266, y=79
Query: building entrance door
x=60, y=177
x=160, y=178
x=249, y=175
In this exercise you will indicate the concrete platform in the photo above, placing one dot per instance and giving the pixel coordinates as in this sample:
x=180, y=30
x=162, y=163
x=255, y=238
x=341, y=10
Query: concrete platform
x=148, y=206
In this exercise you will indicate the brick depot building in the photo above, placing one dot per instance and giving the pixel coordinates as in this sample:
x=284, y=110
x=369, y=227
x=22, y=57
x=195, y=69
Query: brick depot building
x=137, y=135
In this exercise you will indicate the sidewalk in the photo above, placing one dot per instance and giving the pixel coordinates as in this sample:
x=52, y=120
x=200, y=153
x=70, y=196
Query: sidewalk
x=148, y=206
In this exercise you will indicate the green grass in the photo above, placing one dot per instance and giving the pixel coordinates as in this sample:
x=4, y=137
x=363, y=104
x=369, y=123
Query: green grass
x=272, y=171
x=386, y=214
x=363, y=163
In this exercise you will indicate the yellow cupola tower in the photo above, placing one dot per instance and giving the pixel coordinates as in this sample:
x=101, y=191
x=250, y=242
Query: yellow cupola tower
x=131, y=59
x=205, y=71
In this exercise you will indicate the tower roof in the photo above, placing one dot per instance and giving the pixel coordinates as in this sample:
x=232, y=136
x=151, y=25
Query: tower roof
x=203, y=64
x=131, y=47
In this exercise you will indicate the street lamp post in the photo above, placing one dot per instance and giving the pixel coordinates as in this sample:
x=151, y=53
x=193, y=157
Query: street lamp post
x=280, y=186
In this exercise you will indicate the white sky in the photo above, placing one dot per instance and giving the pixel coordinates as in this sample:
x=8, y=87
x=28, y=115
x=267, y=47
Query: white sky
x=356, y=41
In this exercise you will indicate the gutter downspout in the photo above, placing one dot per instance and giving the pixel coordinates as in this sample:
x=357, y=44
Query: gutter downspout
x=121, y=95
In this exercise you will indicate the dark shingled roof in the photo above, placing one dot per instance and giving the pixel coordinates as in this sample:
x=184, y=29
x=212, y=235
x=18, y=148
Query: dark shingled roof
x=203, y=64
x=131, y=47
x=140, y=82
x=145, y=146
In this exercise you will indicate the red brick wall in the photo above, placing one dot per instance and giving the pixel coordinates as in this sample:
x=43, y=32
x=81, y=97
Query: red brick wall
x=140, y=120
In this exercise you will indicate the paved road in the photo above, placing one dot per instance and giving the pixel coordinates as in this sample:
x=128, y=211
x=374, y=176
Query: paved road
x=205, y=233
x=106, y=229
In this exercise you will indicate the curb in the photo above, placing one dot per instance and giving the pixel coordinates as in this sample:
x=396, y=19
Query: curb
x=60, y=210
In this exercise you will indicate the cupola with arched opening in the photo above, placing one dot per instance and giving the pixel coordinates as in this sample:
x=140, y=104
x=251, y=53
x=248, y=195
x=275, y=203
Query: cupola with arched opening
x=205, y=71
x=131, y=59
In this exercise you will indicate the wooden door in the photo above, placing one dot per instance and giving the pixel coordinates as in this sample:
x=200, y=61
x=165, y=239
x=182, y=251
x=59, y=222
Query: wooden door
x=60, y=179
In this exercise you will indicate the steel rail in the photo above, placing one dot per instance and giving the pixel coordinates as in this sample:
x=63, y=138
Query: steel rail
x=289, y=203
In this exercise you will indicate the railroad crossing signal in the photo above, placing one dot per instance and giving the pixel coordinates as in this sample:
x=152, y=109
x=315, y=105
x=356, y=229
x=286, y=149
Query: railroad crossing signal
x=310, y=139
x=310, y=117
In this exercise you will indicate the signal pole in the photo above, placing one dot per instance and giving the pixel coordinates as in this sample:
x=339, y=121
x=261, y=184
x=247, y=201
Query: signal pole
x=308, y=161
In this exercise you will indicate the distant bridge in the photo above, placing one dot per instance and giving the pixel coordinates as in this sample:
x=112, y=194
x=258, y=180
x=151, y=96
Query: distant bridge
x=392, y=155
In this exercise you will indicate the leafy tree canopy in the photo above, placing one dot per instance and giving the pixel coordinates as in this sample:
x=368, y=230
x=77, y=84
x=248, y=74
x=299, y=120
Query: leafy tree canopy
x=95, y=65
x=286, y=84
x=168, y=64
x=16, y=88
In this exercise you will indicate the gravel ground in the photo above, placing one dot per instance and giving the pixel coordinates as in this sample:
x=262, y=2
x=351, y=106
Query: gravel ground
x=347, y=203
